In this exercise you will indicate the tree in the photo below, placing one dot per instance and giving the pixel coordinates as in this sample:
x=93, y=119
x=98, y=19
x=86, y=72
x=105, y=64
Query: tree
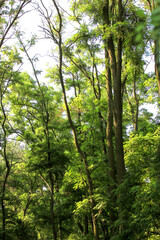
x=10, y=13
x=55, y=33
x=9, y=60
x=39, y=109
x=70, y=166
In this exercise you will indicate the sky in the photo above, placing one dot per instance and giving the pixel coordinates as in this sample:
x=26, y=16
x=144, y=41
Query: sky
x=29, y=24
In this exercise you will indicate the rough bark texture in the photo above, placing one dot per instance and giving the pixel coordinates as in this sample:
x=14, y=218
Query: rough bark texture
x=109, y=130
x=109, y=134
x=116, y=66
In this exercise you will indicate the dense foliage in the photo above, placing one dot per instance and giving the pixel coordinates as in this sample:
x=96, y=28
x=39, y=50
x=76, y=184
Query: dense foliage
x=79, y=148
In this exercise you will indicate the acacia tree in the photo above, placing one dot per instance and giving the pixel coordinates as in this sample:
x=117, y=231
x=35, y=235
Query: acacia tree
x=9, y=15
x=11, y=11
x=7, y=77
x=54, y=31
x=42, y=115
x=114, y=50
x=93, y=189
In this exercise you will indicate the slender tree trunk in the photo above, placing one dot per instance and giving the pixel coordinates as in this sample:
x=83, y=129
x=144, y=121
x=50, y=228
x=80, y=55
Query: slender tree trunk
x=157, y=62
x=83, y=156
x=3, y=205
x=51, y=182
x=157, y=48
x=52, y=207
x=119, y=154
x=7, y=166
x=137, y=105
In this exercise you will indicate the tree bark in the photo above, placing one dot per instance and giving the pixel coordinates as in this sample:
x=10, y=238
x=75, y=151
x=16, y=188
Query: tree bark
x=152, y=5
x=109, y=130
x=8, y=167
x=119, y=153
x=116, y=66
x=157, y=62
x=137, y=104
x=82, y=154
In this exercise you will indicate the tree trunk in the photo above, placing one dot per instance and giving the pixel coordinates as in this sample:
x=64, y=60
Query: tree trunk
x=82, y=154
x=110, y=149
x=52, y=186
x=8, y=167
x=157, y=62
x=109, y=130
x=52, y=207
x=114, y=61
x=3, y=205
x=152, y=5
x=137, y=105
x=116, y=66
x=119, y=154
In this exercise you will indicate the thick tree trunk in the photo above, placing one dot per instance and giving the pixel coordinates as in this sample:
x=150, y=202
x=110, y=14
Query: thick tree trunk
x=109, y=130
x=116, y=66
x=114, y=54
x=110, y=149
x=116, y=75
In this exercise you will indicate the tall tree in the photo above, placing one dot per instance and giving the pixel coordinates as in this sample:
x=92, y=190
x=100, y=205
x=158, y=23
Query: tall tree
x=7, y=77
x=154, y=7
x=54, y=31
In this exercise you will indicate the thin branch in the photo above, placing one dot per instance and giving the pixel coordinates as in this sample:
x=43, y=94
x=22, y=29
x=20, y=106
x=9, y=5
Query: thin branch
x=24, y=3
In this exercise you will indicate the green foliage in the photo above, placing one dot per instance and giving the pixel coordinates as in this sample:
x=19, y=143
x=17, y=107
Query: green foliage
x=142, y=153
x=48, y=176
x=155, y=19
